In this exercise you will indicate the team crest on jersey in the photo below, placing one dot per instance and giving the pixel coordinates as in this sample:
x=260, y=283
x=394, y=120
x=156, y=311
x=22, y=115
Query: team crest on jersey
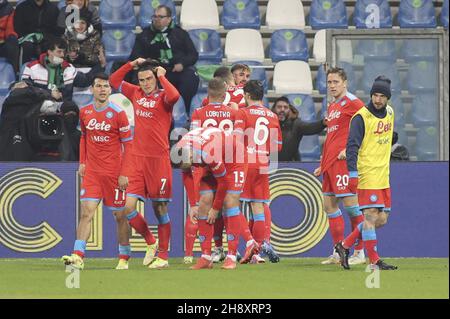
x=373, y=198
x=389, y=111
x=109, y=115
x=82, y=192
x=156, y=95
x=343, y=103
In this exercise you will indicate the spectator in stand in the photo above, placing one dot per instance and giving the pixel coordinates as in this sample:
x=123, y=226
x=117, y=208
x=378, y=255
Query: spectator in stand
x=293, y=129
x=35, y=24
x=9, y=47
x=173, y=48
x=399, y=152
x=84, y=43
x=84, y=6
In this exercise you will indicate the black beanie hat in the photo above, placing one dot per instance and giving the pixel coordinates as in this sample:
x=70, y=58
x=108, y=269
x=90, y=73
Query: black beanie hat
x=381, y=85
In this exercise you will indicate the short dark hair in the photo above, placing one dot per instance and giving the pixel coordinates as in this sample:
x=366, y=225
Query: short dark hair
x=168, y=10
x=54, y=43
x=281, y=99
x=148, y=65
x=338, y=71
x=255, y=89
x=216, y=87
x=222, y=72
x=101, y=76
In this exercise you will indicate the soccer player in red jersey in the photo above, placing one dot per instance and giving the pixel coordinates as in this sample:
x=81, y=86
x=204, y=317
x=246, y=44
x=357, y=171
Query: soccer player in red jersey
x=241, y=73
x=333, y=165
x=262, y=135
x=225, y=158
x=213, y=114
x=150, y=172
x=104, y=132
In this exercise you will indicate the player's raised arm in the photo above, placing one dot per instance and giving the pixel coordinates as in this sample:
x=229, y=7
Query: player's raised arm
x=172, y=94
x=116, y=79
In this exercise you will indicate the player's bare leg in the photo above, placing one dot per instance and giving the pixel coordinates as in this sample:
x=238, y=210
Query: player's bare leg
x=123, y=236
x=336, y=222
x=138, y=222
x=356, y=217
x=160, y=209
x=205, y=231
x=88, y=208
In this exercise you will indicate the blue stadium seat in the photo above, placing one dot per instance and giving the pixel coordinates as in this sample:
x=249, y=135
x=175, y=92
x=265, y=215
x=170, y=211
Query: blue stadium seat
x=82, y=99
x=422, y=76
x=416, y=14
x=375, y=8
x=399, y=111
x=424, y=110
x=304, y=105
x=179, y=113
x=420, y=50
x=207, y=43
x=427, y=144
x=378, y=49
x=258, y=72
x=288, y=44
x=444, y=14
x=118, y=44
x=372, y=69
x=147, y=9
x=328, y=14
x=196, y=101
x=7, y=76
x=321, y=80
x=324, y=109
x=309, y=148
x=240, y=14
x=117, y=14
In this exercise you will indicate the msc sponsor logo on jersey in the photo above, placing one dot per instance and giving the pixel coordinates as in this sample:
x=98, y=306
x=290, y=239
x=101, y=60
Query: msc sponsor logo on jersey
x=147, y=104
x=332, y=128
x=99, y=126
x=109, y=115
x=146, y=114
x=100, y=138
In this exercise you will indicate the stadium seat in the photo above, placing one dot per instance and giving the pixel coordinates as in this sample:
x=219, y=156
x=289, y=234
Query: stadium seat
x=285, y=14
x=321, y=80
x=444, y=14
x=205, y=72
x=179, y=113
x=147, y=9
x=399, y=112
x=377, y=49
x=372, y=69
x=196, y=101
x=244, y=44
x=258, y=72
x=199, y=14
x=82, y=99
x=320, y=47
x=427, y=144
x=344, y=51
x=292, y=77
x=288, y=44
x=304, y=105
x=7, y=76
x=324, y=108
x=207, y=43
x=240, y=14
x=117, y=14
x=416, y=14
x=328, y=14
x=372, y=14
x=424, y=110
x=118, y=44
x=422, y=76
x=309, y=148
x=420, y=50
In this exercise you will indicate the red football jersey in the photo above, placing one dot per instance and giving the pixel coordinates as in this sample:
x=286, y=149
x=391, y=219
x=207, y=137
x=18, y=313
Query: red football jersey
x=102, y=132
x=214, y=115
x=340, y=113
x=152, y=114
x=262, y=132
x=234, y=94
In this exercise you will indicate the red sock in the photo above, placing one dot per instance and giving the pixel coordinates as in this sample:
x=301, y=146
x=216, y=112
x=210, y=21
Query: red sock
x=354, y=236
x=250, y=224
x=245, y=230
x=370, y=243
x=190, y=233
x=164, y=237
x=337, y=225
x=234, y=229
x=205, y=234
x=138, y=222
x=268, y=223
x=356, y=221
x=258, y=228
x=219, y=225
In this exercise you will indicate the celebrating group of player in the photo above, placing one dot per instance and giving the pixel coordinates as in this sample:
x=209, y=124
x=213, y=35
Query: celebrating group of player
x=225, y=160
